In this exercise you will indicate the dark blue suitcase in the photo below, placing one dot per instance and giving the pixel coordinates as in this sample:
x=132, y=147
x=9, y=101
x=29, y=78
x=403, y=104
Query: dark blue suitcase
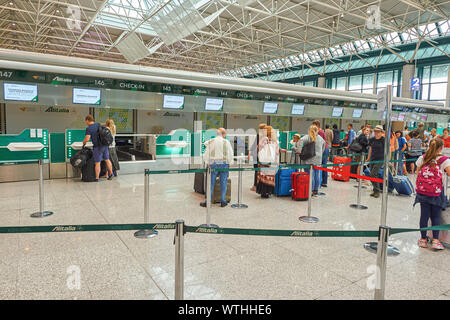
x=403, y=185
x=283, y=182
x=391, y=185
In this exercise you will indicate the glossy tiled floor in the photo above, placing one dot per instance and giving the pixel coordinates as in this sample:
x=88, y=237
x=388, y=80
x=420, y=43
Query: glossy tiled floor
x=115, y=265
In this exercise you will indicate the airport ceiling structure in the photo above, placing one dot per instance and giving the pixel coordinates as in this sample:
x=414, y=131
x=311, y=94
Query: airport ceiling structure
x=239, y=38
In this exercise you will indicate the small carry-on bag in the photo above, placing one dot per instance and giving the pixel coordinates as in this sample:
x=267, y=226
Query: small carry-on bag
x=300, y=186
x=79, y=159
x=199, y=182
x=403, y=185
x=341, y=172
x=283, y=183
x=88, y=170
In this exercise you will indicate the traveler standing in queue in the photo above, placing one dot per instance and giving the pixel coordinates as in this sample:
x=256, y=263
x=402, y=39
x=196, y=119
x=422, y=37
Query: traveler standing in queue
x=430, y=190
x=376, y=153
x=295, y=142
x=350, y=135
x=112, y=147
x=446, y=138
x=319, y=146
x=325, y=154
x=336, y=143
x=268, y=154
x=330, y=136
x=254, y=152
x=401, y=150
x=219, y=155
x=100, y=152
x=415, y=148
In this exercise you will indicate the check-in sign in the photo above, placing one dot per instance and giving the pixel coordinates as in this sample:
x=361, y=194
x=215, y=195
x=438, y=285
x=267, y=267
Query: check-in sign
x=415, y=84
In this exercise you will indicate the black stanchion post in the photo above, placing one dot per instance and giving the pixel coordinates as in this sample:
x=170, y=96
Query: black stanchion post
x=179, y=259
x=145, y=234
x=239, y=205
x=309, y=218
x=358, y=204
x=383, y=238
x=41, y=213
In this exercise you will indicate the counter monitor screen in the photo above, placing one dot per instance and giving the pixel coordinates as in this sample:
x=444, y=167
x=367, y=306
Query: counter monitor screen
x=298, y=109
x=173, y=102
x=20, y=92
x=357, y=113
x=213, y=104
x=424, y=117
x=86, y=96
x=270, y=107
x=337, y=112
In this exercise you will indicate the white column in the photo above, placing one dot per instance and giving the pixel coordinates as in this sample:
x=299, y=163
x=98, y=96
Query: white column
x=321, y=83
x=407, y=73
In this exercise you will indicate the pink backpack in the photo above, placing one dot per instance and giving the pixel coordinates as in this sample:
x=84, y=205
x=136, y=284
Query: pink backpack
x=429, y=179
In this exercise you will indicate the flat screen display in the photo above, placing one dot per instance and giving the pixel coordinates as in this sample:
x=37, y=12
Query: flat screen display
x=424, y=117
x=298, y=109
x=20, y=92
x=337, y=112
x=270, y=107
x=357, y=113
x=213, y=104
x=86, y=96
x=401, y=117
x=173, y=102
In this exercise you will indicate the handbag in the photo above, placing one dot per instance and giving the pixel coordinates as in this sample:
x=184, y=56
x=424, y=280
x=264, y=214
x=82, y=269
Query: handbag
x=308, y=151
x=268, y=153
x=356, y=147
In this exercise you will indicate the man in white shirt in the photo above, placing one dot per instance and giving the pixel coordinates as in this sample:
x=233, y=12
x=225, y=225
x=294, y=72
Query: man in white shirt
x=219, y=154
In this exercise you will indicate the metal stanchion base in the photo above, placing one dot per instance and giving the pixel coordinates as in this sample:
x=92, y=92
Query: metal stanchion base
x=372, y=247
x=145, y=234
x=362, y=187
x=358, y=206
x=239, y=206
x=41, y=214
x=209, y=226
x=308, y=219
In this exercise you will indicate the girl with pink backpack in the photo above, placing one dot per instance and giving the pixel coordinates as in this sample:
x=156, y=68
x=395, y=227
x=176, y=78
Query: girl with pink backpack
x=430, y=190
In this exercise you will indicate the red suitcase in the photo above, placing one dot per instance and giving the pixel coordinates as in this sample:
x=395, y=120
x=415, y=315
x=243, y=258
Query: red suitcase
x=300, y=186
x=341, y=172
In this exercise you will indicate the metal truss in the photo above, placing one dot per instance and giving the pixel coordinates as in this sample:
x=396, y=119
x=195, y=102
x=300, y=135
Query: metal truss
x=229, y=37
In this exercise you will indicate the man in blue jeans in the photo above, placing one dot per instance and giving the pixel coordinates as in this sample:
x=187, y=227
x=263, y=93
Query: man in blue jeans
x=219, y=155
x=101, y=152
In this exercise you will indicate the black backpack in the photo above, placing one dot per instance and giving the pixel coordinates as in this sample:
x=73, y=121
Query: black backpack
x=308, y=151
x=105, y=136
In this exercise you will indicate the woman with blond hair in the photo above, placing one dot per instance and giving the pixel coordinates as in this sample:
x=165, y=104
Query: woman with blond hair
x=268, y=156
x=112, y=148
x=316, y=160
x=254, y=152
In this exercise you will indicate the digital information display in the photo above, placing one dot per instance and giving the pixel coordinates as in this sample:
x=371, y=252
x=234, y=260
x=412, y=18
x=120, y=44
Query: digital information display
x=20, y=92
x=270, y=107
x=357, y=113
x=173, y=102
x=424, y=117
x=213, y=104
x=401, y=117
x=86, y=96
x=298, y=109
x=337, y=112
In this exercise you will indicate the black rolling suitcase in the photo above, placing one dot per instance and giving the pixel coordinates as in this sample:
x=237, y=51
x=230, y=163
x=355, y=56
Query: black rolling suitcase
x=88, y=170
x=199, y=182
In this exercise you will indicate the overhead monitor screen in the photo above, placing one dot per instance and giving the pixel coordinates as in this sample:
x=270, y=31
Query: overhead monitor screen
x=298, y=109
x=214, y=104
x=337, y=112
x=401, y=117
x=357, y=113
x=86, y=96
x=424, y=117
x=173, y=102
x=270, y=107
x=20, y=92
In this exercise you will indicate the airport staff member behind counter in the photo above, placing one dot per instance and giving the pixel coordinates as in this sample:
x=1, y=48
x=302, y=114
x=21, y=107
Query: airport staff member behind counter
x=219, y=154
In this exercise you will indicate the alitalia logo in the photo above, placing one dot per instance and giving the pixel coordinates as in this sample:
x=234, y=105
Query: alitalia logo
x=61, y=79
x=68, y=228
x=164, y=226
x=53, y=109
x=206, y=230
x=301, y=234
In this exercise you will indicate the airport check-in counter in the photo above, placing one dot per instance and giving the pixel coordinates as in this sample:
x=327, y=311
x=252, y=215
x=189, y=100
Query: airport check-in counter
x=19, y=155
